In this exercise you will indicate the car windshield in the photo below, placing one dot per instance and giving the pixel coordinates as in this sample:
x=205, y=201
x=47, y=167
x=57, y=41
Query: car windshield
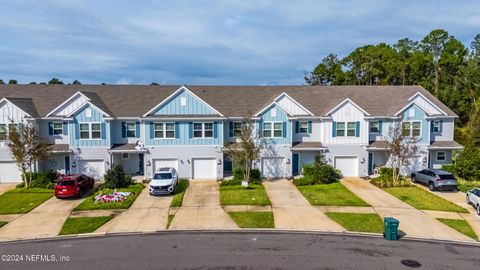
x=162, y=176
x=66, y=183
x=447, y=176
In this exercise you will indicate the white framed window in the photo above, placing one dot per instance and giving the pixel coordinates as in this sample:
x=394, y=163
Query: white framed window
x=90, y=131
x=57, y=128
x=303, y=127
x=202, y=130
x=164, y=130
x=273, y=129
x=340, y=129
x=436, y=126
x=441, y=156
x=131, y=130
x=412, y=128
x=237, y=129
x=267, y=129
x=125, y=156
x=88, y=112
x=273, y=112
x=277, y=129
x=183, y=101
x=3, y=131
x=351, y=129
x=96, y=130
x=374, y=126
x=84, y=131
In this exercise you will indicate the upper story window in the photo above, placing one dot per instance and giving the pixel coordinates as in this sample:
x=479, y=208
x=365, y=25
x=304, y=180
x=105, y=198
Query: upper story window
x=164, y=130
x=57, y=128
x=131, y=130
x=436, y=126
x=374, y=126
x=303, y=127
x=441, y=156
x=348, y=129
x=3, y=131
x=412, y=128
x=351, y=129
x=237, y=129
x=90, y=131
x=272, y=129
x=202, y=130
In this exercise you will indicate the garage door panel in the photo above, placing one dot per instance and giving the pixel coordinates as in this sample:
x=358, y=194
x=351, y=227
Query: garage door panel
x=204, y=168
x=273, y=167
x=165, y=163
x=9, y=173
x=348, y=166
x=92, y=168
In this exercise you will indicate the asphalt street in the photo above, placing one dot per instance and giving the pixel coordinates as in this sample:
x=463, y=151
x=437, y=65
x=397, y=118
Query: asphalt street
x=237, y=250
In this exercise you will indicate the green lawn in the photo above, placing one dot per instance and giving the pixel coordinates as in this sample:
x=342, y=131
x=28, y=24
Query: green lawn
x=2, y=223
x=253, y=219
x=465, y=186
x=89, y=204
x=23, y=200
x=358, y=222
x=83, y=224
x=424, y=200
x=460, y=225
x=334, y=194
x=254, y=194
x=170, y=219
x=179, y=192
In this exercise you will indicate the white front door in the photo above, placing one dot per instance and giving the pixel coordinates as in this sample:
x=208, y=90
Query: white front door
x=92, y=168
x=273, y=167
x=9, y=172
x=204, y=168
x=347, y=165
x=165, y=163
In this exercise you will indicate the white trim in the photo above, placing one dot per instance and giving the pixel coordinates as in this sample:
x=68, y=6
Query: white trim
x=444, y=156
x=203, y=130
x=445, y=148
x=307, y=149
x=428, y=100
x=192, y=169
x=13, y=104
x=272, y=129
x=123, y=156
x=294, y=101
x=378, y=128
x=411, y=127
x=134, y=131
x=83, y=106
x=184, y=118
x=90, y=138
x=345, y=101
x=182, y=88
x=164, y=130
x=66, y=101
x=347, y=156
x=269, y=106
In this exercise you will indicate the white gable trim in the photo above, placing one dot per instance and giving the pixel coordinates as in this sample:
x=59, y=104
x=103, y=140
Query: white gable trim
x=84, y=105
x=13, y=104
x=426, y=99
x=182, y=88
x=271, y=105
x=343, y=103
x=294, y=101
x=66, y=102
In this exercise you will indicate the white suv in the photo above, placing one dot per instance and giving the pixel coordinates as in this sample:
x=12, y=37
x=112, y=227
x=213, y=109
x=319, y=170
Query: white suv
x=164, y=181
x=473, y=198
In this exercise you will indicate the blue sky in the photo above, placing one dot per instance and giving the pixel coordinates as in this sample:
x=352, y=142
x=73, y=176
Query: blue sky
x=206, y=42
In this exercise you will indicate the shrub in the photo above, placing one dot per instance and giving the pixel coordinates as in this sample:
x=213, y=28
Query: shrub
x=386, y=179
x=238, y=173
x=320, y=172
x=448, y=168
x=116, y=178
x=233, y=182
x=466, y=165
x=303, y=181
x=255, y=175
x=42, y=179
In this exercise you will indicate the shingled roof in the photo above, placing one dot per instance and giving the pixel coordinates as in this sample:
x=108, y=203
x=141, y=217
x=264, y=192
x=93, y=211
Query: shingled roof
x=231, y=101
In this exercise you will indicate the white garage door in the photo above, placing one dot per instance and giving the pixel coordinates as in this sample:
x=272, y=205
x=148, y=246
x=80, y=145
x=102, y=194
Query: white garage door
x=347, y=165
x=416, y=164
x=9, y=172
x=165, y=163
x=92, y=168
x=273, y=167
x=204, y=168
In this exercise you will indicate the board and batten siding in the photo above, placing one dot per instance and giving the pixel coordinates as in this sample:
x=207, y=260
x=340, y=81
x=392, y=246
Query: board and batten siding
x=10, y=112
x=71, y=106
x=346, y=113
x=447, y=130
x=281, y=116
x=193, y=106
x=96, y=117
x=418, y=115
x=183, y=136
x=291, y=107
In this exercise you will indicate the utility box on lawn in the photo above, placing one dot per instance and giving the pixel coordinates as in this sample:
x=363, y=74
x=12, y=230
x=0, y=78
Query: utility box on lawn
x=390, y=228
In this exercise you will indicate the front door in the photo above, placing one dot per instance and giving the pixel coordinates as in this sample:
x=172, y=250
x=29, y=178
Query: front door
x=140, y=164
x=67, y=165
x=370, y=163
x=295, y=165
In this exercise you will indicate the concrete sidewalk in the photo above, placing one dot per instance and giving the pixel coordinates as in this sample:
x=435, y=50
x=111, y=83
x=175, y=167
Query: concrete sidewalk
x=201, y=208
x=6, y=187
x=292, y=211
x=413, y=222
x=146, y=213
x=44, y=221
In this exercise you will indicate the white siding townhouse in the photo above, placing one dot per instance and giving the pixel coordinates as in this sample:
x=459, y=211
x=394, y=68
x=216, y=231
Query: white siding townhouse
x=143, y=128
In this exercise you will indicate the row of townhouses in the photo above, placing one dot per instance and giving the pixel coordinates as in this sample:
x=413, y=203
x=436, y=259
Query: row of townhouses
x=143, y=128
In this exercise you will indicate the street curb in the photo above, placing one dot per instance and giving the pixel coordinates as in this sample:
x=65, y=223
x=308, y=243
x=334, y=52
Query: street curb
x=244, y=231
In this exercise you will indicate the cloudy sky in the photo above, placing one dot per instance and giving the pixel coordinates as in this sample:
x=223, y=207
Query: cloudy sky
x=206, y=42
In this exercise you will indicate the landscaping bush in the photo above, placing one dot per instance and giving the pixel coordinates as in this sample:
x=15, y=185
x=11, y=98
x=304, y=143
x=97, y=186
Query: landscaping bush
x=116, y=178
x=466, y=164
x=255, y=175
x=303, y=181
x=320, y=172
x=386, y=179
x=233, y=182
x=41, y=179
x=238, y=173
x=448, y=168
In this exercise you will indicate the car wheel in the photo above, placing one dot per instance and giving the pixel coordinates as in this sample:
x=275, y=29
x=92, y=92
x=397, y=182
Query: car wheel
x=80, y=193
x=431, y=186
x=414, y=179
x=468, y=200
x=478, y=209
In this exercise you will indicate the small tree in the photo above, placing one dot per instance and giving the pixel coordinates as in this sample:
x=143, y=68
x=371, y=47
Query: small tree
x=247, y=150
x=27, y=147
x=401, y=146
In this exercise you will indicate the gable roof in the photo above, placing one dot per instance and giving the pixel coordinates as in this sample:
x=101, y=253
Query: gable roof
x=25, y=104
x=230, y=101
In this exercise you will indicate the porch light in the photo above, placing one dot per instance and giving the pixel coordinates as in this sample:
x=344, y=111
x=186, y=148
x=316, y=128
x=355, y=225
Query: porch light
x=288, y=161
x=74, y=164
x=219, y=162
x=148, y=163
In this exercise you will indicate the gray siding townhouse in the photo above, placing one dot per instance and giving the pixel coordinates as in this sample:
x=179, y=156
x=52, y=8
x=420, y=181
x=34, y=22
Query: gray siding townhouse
x=143, y=128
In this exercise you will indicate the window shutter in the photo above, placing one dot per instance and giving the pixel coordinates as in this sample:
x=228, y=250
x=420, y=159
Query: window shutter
x=104, y=130
x=357, y=129
x=431, y=126
x=177, y=130
x=230, y=127
x=137, y=129
x=215, y=130
x=284, y=132
x=259, y=128
x=152, y=131
x=297, y=126
x=50, y=128
x=124, y=130
x=190, y=130
x=380, y=127
x=65, y=128
x=334, y=129
x=77, y=131
x=309, y=129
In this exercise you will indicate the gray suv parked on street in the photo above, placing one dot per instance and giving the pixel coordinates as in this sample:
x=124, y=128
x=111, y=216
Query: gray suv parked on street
x=435, y=179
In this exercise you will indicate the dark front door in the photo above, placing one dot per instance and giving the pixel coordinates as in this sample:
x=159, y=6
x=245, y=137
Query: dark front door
x=140, y=164
x=67, y=165
x=295, y=165
x=370, y=163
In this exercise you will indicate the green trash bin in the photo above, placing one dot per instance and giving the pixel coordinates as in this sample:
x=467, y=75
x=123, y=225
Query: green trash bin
x=390, y=228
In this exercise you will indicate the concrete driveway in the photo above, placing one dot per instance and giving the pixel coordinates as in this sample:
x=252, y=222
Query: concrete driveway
x=292, y=211
x=147, y=213
x=413, y=222
x=201, y=208
x=4, y=187
x=44, y=221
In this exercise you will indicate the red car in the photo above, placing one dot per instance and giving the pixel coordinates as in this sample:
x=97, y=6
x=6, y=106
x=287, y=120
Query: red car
x=73, y=186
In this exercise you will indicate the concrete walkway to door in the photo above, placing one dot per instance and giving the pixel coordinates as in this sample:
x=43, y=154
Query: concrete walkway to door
x=413, y=222
x=147, y=213
x=201, y=208
x=292, y=211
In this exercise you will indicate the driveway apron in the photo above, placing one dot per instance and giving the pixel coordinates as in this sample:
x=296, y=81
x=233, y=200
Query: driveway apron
x=201, y=208
x=44, y=221
x=413, y=222
x=6, y=187
x=147, y=213
x=292, y=211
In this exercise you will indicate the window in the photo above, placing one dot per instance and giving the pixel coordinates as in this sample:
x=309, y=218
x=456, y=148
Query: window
x=158, y=130
x=3, y=131
x=183, y=101
x=267, y=129
x=208, y=130
x=57, y=128
x=441, y=156
x=203, y=130
x=351, y=129
x=303, y=127
x=237, y=129
x=88, y=112
x=277, y=130
x=125, y=156
x=96, y=131
x=164, y=130
x=374, y=127
x=90, y=131
x=406, y=126
x=340, y=129
x=436, y=126
x=131, y=130
x=412, y=128
x=197, y=130
x=84, y=131
x=273, y=129
x=170, y=130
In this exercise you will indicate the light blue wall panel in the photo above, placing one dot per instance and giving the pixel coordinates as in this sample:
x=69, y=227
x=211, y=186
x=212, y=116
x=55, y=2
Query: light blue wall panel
x=280, y=117
x=193, y=107
x=418, y=116
x=183, y=137
x=96, y=117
